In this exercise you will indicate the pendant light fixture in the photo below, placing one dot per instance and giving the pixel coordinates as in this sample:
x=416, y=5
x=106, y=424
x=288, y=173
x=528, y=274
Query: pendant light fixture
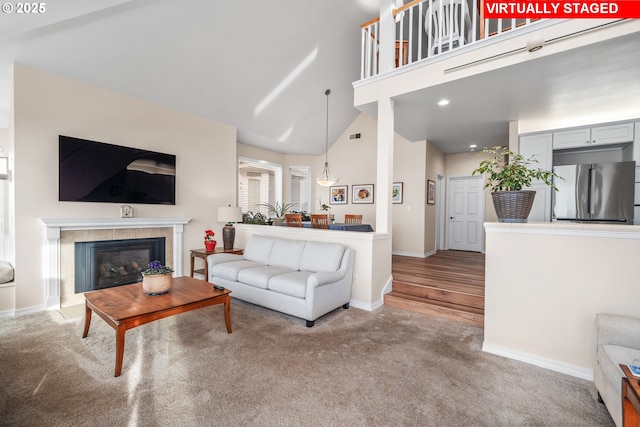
x=326, y=179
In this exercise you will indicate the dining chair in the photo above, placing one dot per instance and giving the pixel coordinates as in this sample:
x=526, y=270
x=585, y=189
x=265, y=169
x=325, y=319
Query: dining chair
x=320, y=221
x=441, y=29
x=293, y=220
x=352, y=219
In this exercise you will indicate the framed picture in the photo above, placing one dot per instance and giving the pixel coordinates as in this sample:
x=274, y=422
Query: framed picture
x=396, y=192
x=362, y=193
x=338, y=195
x=431, y=192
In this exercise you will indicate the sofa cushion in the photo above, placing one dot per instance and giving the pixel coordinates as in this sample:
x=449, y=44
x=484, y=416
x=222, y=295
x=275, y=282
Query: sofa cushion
x=611, y=356
x=259, y=276
x=229, y=270
x=287, y=253
x=258, y=249
x=293, y=284
x=318, y=256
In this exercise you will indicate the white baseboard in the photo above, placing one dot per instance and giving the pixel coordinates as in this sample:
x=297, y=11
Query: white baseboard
x=414, y=254
x=7, y=314
x=543, y=362
x=22, y=312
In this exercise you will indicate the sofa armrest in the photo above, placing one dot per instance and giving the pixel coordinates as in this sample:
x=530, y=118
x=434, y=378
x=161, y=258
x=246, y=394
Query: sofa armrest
x=617, y=329
x=324, y=278
x=214, y=259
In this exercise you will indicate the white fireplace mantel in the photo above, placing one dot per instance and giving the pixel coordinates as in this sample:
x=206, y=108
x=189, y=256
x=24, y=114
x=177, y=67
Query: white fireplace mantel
x=56, y=225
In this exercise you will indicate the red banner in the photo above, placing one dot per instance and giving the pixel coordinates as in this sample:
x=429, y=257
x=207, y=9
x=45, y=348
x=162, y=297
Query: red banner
x=561, y=9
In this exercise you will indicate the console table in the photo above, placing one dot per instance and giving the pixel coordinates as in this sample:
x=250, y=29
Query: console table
x=203, y=253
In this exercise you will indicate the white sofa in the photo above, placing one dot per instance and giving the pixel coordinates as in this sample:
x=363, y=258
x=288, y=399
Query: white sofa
x=301, y=278
x=617, y=342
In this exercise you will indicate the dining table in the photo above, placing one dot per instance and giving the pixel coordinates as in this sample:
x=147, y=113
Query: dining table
x=341, y=226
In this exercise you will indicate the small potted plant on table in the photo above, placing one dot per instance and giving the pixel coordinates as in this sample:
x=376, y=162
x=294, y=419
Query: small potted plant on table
x=507, y=174
x=209, y=243
x=157, y=279
x=325, y=208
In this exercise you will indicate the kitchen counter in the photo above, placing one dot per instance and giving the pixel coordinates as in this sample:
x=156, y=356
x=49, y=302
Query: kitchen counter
x=566, y=228
x=546, y=281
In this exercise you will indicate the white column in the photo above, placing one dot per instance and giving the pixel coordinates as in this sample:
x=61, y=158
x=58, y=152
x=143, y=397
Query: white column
x=178, y=230
x=384, y=177
x=52, y=269
x=387, y=37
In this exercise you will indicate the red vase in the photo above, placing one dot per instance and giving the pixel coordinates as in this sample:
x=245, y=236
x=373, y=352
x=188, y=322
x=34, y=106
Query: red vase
x=210, y=245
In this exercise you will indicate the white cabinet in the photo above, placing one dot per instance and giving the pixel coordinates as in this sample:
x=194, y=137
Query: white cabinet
x=593, y=136
x=572, y=138
x=539, y=147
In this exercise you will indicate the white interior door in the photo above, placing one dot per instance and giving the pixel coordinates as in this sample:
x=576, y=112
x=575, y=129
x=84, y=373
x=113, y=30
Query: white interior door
x=465, y=213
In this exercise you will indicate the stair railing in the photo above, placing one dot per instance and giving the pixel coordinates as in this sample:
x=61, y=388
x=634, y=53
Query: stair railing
x=414, y=44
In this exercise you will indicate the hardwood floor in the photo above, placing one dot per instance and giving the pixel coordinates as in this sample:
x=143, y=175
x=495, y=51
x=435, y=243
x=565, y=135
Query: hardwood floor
x=448, y=284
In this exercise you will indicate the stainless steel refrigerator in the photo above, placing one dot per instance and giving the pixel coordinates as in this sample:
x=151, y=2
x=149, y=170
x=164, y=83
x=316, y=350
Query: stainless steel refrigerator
x=598, y=192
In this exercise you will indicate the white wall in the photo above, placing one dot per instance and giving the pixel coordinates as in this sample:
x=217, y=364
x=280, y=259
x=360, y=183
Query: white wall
x=46, y=105
x=408, y=218
x=545, y=283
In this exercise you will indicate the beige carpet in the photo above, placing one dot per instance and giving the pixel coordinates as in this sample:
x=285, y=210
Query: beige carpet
x=356, y=368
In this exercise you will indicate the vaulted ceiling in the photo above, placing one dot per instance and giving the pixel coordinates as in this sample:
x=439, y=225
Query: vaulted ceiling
x=260, y=66
x=263, y=67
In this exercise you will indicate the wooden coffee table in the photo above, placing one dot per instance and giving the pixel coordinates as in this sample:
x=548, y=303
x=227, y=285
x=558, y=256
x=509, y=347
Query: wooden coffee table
x=630, y=398
x=125, y=307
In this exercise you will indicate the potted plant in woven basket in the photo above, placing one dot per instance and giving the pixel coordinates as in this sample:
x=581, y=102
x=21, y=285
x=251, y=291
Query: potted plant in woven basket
x=509, y=175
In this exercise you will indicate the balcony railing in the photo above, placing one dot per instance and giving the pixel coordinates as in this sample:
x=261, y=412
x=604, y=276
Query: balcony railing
x=427, y=28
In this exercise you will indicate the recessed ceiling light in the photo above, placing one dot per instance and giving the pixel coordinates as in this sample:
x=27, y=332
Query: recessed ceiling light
x=443, y=102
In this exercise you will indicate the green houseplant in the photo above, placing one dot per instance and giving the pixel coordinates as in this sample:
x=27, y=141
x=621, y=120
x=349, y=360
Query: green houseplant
x=278, y=210
x=508, y=175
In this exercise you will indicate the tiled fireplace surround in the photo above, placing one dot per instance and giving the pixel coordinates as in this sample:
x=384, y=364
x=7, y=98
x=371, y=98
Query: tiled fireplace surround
x=63, y=233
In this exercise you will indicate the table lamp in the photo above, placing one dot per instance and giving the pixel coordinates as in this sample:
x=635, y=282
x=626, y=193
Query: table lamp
x=229, y=215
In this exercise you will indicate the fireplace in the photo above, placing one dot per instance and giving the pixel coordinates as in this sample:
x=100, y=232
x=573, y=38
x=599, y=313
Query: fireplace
x=62, y=233
x=109, y=263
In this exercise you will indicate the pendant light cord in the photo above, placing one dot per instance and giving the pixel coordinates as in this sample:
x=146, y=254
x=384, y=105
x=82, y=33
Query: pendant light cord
x=326, y=132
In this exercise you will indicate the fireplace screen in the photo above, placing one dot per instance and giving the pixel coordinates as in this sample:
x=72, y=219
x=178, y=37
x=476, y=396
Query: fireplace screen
x=109, y=263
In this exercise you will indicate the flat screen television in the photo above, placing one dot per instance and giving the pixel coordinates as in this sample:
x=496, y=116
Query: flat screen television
x=91, y=171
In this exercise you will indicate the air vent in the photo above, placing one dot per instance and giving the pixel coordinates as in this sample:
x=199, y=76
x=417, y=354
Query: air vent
x=355, y=136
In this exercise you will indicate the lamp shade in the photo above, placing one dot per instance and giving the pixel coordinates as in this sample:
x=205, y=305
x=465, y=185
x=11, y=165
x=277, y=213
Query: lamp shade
x=229, y=214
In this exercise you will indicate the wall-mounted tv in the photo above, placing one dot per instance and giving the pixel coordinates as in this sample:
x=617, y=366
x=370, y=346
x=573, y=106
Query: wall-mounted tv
x=91, y=171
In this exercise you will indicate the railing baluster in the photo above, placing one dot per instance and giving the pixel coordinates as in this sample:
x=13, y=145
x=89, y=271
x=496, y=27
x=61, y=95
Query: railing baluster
x=376, y=49
x=421, y=32
x=431, y=30
x=399, y=45
x=363, y=55
x=474, y=21
x=410, y=60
